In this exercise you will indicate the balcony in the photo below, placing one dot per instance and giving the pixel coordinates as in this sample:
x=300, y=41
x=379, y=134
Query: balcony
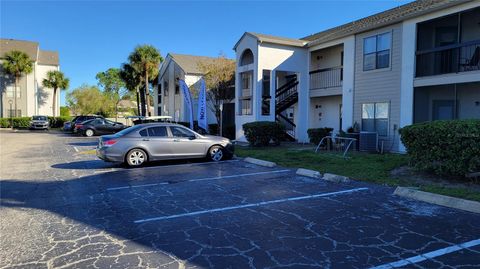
x=326, y=78
x=456, y=58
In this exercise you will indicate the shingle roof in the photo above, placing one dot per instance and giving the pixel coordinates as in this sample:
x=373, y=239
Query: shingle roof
x=274, y=40
x=31, y=49
x=189, y=63
x=47, y=57
x=388, y=17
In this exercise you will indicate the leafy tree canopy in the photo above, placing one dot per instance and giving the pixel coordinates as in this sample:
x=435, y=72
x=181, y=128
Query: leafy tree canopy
x=88, y=99
x=17, y=63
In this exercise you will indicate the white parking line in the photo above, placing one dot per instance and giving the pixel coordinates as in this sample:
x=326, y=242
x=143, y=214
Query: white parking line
x=249, y=205
x=188, y=164
x=429, y=255
x=197, y=179
x=75, y=148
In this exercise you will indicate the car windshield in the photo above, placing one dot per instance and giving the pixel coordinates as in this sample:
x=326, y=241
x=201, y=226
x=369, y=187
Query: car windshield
x=39, y=118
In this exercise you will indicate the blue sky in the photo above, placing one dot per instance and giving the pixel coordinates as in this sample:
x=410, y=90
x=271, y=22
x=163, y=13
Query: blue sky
x=92, y=36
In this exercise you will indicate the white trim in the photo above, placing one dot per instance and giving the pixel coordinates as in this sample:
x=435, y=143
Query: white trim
x=248, y=205
x=428, y=255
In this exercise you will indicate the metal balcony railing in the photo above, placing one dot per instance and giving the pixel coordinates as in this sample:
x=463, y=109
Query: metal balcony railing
x=454, y=58
x=326, y=78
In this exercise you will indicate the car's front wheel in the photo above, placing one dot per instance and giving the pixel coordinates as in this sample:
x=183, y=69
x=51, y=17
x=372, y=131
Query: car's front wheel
x=136, y=157
x=216, y=153
x=89, y=132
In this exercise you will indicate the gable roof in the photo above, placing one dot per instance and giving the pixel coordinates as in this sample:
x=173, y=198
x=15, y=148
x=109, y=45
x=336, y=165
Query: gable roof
x=273, y=40
x=189, y=63
x=44, y=57
x=388, y=17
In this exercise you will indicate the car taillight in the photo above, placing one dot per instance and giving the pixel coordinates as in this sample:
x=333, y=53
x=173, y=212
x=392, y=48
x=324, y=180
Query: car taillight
x=78, y=126
x=109, y=143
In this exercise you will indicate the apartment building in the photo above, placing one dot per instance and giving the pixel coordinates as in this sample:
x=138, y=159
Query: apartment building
x=32, y=97
x=169, y=100
x=414, y=63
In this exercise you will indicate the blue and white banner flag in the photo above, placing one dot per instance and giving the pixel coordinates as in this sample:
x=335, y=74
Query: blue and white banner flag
x=202, y=106
x=187, y=98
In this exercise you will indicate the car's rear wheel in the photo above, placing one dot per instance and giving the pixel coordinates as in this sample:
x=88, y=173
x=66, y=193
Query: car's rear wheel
x=136, y=157
x=216, y=153
x=89, y=132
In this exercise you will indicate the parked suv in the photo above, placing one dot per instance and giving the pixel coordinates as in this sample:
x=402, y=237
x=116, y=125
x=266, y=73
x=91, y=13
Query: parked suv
x=70, y=125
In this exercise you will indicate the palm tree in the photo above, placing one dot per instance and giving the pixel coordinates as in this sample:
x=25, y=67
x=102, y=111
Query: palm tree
x=132, y=81
x=146, y=60
x=17, y=63
x=55, y=80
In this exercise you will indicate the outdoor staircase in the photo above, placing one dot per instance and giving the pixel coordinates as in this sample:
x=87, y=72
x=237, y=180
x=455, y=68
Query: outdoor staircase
x=285, y=97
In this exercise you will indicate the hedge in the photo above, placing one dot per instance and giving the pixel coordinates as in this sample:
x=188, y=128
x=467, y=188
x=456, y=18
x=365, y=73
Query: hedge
x=447, y=148
x=261, y=133
x=316, y=134
x=24, y=122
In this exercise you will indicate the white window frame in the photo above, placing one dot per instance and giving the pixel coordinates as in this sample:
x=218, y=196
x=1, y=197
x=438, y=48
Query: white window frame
x=377, y=51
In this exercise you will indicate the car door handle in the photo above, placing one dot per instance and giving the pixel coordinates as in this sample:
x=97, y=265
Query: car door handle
x=176, y=140
x=145, y=139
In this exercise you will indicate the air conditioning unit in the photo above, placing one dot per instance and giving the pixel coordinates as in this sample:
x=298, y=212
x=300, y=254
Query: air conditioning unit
x=368, y=141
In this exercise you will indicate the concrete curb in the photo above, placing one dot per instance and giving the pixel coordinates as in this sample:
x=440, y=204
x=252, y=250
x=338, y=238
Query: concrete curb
x=438, y=199
x=335, y=178
x=260, y=162
x=308, y=173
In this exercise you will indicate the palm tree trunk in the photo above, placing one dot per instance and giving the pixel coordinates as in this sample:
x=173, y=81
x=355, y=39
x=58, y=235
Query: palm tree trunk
x=138, y=102
x=147, y=92
x=54, y=106
x=15, y=95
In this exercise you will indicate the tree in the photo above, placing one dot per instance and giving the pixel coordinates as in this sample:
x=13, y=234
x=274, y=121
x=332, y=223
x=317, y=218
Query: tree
x=64, y=111
x=88, y=99
x=146, y=60
x=55, y=80
x=113, y=85
x=132, y=81
x=219, y=75
x=17, y=64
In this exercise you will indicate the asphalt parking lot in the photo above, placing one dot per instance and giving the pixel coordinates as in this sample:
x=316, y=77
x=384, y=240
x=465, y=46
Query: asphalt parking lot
x=62, y=208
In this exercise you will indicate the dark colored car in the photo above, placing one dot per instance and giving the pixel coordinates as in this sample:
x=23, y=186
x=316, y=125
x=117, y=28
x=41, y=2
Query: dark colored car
x=161, y=141
x=70, y=125
x=98, y=126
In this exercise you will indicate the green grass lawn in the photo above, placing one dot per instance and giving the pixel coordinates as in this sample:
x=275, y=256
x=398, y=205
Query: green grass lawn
x=360, y=166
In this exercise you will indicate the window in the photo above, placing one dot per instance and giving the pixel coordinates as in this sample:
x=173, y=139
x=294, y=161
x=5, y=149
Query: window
x=246, y=58
x=143, y=132
x=165, y=88
x=11, y=113
x=375, y=118
x=159, y=131
x=181, y=132
x=245, y=104
x=376, y=51
x=11, y=92
x=177, y=89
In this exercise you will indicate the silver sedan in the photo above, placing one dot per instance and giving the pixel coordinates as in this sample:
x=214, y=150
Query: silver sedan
x=141, y=143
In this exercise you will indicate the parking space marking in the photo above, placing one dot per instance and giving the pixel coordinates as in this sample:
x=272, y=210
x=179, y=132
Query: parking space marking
x=75, y=148
x=298, y=198
x=429, y=255
x=197, y=179
x=190, y=164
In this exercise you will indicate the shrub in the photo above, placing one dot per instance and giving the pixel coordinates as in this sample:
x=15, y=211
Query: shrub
x=260, y=133
x=449, y=148
x=24, y=122
x=316, y=134
x=57, y=122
